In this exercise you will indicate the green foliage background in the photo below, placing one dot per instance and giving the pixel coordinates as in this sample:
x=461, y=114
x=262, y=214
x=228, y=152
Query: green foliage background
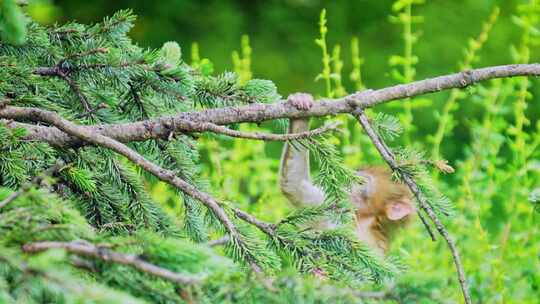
x=493, y=144
x=282, y=34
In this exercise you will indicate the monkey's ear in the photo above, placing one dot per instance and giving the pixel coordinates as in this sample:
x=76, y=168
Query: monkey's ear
x=399, y=209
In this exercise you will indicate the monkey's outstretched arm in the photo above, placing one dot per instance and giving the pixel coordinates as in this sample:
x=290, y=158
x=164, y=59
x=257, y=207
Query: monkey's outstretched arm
x=295, y=179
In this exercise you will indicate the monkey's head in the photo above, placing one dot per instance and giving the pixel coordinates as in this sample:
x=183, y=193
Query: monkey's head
x=379, y=196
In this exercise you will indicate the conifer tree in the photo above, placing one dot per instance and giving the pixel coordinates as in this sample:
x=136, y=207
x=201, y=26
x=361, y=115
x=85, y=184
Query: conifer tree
x=88, y=119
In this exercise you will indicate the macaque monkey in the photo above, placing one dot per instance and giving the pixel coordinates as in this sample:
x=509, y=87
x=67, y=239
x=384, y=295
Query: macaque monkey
x=382, y=205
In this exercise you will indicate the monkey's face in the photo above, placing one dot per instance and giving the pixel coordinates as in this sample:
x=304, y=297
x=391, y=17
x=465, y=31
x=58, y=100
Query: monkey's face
x=379, y=196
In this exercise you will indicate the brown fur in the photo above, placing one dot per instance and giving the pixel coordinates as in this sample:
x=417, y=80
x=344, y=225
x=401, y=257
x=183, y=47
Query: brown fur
x=386, y=191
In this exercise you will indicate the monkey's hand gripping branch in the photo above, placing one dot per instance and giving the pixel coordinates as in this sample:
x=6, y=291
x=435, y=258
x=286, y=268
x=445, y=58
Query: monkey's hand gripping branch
x=161, y=127
x=388, y=156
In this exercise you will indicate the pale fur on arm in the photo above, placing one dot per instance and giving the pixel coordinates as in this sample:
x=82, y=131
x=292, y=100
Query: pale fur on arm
x=295, y=180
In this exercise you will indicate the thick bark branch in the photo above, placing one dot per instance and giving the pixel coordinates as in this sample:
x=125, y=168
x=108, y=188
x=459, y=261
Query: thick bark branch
x=87, y=249
x=184, y=122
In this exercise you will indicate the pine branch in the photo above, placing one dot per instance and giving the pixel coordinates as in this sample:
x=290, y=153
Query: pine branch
x=165, y=175
x=337, y=248
x=13, y=196
x=63, y=71
x=210, y=127
x=4, y=103
x=58, y=71
x=218, y=242
x=390, y=153
x=384, y=151
x=90, y=250
x=83, y=54
x=264, y=227
x=36, y=181
x=53, y=71
x=161, y=127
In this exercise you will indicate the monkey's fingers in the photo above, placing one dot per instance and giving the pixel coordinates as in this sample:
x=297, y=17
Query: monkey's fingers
x=301, y=101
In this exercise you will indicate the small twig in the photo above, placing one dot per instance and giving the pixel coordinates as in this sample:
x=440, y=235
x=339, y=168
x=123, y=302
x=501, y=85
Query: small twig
x=52, y=71
x=218, y=242
x=386, y=154
x=26, y=186
x=100, y=106
x=90, y=250
x=440, y=164
x=64, y=31
x=137, y=99
x=427, y=226
x=105, y=66
x=264, y=227
x=4, y=103
x=75, y=88
x=60, y=72
x=81, y=263
x=420, y=215
x=267, y=228
x=84, y=54
x=13, y=196
x=210, y=127
x=46, y=71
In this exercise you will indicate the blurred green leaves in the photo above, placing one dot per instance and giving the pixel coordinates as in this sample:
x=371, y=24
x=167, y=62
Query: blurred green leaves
x=12, y=22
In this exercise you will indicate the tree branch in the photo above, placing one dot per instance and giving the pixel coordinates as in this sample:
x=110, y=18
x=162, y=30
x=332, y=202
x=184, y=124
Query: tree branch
x=161, y=127
x=37, y=180
x=90, y=250
x=264, y=227
x=210, y=127
x=112, y=135
x=57, y=71
x=165, y=175
x=386, y=154
x=218, y=242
